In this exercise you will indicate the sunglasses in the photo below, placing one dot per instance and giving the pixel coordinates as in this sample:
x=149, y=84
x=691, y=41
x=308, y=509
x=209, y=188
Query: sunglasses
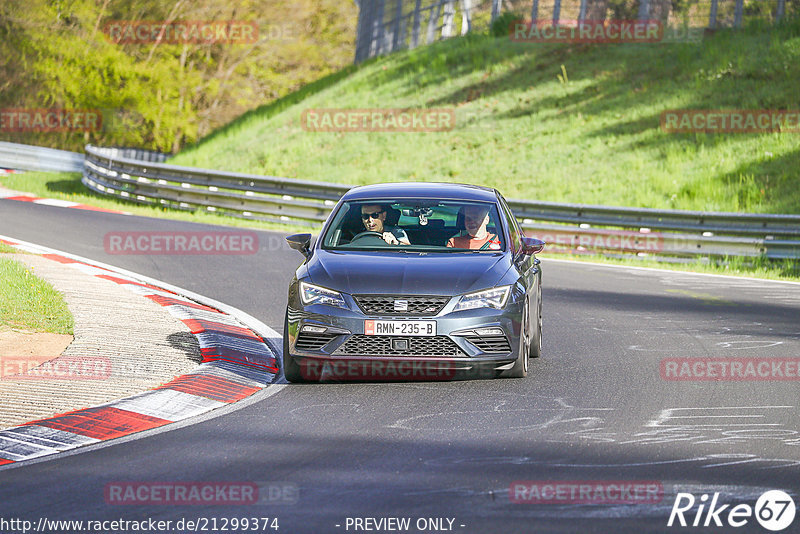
x=375, y=215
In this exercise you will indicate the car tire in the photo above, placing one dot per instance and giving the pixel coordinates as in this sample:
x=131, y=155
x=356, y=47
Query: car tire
x=536, y=342
x=520, y=368
x=291, y=370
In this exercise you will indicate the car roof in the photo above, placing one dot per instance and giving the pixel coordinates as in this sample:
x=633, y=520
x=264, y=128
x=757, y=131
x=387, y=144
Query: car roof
x=434, y=190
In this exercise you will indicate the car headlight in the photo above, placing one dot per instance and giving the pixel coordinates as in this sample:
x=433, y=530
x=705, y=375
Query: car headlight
x=311, y=294
x=488, y=298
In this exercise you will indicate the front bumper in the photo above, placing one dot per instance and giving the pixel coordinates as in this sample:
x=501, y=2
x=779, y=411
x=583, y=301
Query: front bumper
x=458, y=348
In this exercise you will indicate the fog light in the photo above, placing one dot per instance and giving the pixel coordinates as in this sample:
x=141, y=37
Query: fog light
x=489, y=331
x=313, y=329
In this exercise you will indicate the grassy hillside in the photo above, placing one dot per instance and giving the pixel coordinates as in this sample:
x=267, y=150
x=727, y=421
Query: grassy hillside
x=575, y=123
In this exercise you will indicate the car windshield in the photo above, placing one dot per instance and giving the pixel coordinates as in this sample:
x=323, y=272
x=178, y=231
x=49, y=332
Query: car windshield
x=416, y=225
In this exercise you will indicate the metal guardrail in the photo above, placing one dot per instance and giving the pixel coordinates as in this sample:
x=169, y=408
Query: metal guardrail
x=625, y=230
x=36, y=158
x=142, y=176
x=241, y=195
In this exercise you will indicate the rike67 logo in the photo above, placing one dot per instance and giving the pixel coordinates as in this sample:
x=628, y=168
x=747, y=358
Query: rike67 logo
x=774, y=510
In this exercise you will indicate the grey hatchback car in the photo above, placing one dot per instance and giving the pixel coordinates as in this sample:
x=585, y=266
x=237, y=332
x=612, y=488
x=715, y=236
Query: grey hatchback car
x=414, y=281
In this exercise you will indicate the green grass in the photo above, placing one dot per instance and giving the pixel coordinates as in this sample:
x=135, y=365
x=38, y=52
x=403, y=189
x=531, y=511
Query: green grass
x=29, y=303
x=68, y=186
x=591, y=136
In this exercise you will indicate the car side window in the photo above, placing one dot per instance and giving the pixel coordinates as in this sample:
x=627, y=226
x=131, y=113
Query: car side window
x=513, y=227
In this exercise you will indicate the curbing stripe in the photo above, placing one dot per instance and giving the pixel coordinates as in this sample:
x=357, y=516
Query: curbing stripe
x=248, y=373
x=237, y=363
x=212, y=387
x=60, y=203
x=19, y=450
x=119, y=280
x=59, y=258
x=182, y=313
x=103, y=422
x=56, y=202
x=197, y=326
x=168, y=301
x=168, y=404
x=213, y=354
x=143, y=291
x=52, y=437
x=216, y=370
x=221, y=340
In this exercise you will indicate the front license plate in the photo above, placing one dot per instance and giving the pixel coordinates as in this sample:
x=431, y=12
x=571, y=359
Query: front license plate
x=399, y=328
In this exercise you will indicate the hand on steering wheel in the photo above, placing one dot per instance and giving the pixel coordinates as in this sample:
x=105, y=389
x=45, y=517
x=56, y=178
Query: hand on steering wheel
x=390, y=238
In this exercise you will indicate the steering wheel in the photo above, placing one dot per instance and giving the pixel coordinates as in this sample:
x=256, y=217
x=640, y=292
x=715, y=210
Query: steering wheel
x=369, y=238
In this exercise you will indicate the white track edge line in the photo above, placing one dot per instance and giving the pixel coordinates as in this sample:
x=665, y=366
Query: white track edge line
x=656, y=269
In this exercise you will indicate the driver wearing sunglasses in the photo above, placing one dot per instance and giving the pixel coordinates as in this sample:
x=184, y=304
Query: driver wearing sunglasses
x=374, y=217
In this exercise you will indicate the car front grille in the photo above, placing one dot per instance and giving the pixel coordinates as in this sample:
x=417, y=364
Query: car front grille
x=416, y=304
x=363, y=345
x=309, y=341
x=490, y=343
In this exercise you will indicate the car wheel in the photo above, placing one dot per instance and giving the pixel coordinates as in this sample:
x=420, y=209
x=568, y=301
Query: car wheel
x=536, y=342
x=291, y=370
x=520, y=368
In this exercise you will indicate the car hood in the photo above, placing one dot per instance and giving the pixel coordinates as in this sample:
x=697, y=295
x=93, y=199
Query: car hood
x=406, y=273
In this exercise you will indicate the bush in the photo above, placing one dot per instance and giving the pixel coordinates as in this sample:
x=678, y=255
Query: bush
x=501, y=27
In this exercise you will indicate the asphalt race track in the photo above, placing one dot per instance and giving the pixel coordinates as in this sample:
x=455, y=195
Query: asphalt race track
x=594, y=407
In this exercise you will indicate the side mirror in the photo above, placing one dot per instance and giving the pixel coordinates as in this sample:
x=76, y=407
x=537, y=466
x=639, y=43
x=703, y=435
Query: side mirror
x=531, y=245
x=300, y=243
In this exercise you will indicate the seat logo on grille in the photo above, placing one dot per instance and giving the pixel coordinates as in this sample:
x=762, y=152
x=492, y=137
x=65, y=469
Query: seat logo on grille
x=400, y=305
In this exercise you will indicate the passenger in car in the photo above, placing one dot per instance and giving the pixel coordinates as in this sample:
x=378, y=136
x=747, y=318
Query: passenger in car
x=374, y=217
x=476, y=236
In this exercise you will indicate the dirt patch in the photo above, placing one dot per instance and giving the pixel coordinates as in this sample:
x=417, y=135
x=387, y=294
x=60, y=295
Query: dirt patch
x=21, y=350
